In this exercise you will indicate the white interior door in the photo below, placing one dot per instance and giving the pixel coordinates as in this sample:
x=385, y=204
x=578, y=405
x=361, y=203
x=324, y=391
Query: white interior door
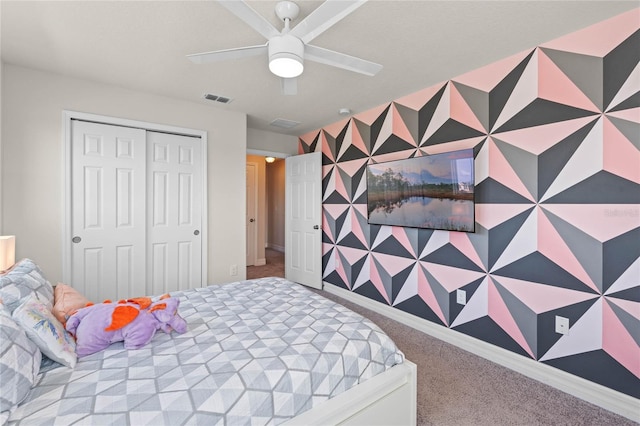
x=174, y=212
x=108, y=210
x=303, y=219
x=251, y=214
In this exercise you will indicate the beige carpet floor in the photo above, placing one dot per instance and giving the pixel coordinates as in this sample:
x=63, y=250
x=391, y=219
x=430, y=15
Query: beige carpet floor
x=458, y=388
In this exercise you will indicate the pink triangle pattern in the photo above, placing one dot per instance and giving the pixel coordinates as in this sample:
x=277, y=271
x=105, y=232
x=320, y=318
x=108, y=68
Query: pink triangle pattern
x=630, y=307
x=461, y=111
x=399, y=127
x=551, y=244
x=371, y=115
x=326, y=228
x=631, y=114
x=538, y=139
x=621, y=157
x=500, y=314
x=541, y=297
x=620, y=218
x=401, y=236
x=488, y=77
x=425, y=291
x=356, y=229
x=452, y=278
x=492, y=215
x=356, y=138
x=556, y=190
x=376, y=279
x=617, y=341
x=462, y=242
x=599, y=39
x=503, y=172
x=335, y=128
x=555, y=86
x=326, y=150
x=417, y=100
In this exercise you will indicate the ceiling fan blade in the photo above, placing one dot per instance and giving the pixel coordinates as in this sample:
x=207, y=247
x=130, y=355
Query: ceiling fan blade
x=289, y=86
x=252, y=18
x=325, y=16
x=341, y=60
x=223, y=55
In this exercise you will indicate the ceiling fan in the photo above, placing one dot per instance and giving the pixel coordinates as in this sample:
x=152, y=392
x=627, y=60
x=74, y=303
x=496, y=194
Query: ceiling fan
x=288, y=49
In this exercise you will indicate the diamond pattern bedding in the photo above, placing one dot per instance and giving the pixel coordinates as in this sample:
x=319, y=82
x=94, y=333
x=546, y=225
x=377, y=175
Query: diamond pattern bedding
x=255, y=352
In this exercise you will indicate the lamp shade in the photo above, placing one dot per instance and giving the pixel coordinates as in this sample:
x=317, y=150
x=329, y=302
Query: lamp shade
x=7, y=251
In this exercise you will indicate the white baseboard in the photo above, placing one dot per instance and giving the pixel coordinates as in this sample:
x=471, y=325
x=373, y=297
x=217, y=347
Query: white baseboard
x=594, y=393
x=276, y=247
x=260, y=262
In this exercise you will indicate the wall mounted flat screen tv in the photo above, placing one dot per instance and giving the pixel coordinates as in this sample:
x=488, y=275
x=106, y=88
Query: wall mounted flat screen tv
x=434, y=192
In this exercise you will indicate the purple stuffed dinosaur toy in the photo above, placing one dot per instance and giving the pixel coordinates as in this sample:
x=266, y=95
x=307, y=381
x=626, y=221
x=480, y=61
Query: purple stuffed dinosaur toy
x=134, y=321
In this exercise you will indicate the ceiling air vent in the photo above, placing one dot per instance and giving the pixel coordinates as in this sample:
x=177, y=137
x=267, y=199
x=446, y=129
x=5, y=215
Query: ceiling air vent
x=285, y=124
x=217, y=98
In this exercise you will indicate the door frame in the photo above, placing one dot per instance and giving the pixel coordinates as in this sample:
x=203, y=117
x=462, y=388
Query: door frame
x=67, y=116
x=254, y=233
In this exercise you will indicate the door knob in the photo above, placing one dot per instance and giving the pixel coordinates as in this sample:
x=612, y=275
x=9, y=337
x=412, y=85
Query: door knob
x=76, y=239
x=251, y=220
x=196, y=232
x=316, y=227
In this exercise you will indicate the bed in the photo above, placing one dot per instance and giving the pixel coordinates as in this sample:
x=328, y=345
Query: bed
x=264, y=351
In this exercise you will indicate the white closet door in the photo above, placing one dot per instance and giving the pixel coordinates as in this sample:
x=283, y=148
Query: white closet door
x=174, y=212
x=108, y=211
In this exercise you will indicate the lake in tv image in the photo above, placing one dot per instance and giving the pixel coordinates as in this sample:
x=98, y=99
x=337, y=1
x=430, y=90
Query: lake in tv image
x=434, y=191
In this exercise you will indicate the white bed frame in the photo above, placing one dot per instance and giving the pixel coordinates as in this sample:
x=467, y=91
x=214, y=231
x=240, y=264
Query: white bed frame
x=390, y=398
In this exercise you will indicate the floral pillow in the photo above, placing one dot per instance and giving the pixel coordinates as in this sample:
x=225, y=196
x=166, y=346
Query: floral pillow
x=19, y=363
x=46, y=331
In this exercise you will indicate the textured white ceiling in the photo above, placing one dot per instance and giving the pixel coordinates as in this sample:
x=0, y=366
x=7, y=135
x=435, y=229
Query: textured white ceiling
x=141, y=45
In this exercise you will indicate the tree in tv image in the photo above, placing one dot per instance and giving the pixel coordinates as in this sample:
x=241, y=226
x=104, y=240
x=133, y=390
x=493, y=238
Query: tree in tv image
x=433, y=191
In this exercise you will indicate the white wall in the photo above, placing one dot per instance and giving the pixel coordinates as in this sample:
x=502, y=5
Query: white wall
x=273, y=142
x=1, y=179
x=32, y=162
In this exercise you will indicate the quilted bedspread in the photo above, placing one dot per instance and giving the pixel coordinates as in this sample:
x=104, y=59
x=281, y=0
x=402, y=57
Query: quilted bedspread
x=255, y=352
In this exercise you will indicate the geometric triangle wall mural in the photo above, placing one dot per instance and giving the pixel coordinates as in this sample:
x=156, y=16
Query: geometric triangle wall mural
x=555, y=132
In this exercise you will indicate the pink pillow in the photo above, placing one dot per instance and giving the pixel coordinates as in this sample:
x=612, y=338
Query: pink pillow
x=67, y=300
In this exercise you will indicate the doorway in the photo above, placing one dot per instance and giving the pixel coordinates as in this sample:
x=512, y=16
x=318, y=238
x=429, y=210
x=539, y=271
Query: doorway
x=269, y=219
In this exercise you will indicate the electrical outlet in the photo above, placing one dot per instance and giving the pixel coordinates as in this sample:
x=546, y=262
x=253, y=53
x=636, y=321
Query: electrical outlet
x=562, y=325
x=461, y=297
x=233, y=269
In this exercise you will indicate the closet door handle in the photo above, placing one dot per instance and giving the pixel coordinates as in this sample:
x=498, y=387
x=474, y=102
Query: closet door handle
x=76, y=239
x=196, y=232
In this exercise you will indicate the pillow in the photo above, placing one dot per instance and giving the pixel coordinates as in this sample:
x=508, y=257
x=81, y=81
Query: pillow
x=66, y=300
x=46, y=331
x=19, y=362
x=23, y=280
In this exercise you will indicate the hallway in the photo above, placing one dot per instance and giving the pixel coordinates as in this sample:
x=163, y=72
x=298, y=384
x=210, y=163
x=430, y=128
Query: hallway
x=273, y=268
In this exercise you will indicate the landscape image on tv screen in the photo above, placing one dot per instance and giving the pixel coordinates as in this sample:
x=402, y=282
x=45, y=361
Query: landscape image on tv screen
x=434, y=191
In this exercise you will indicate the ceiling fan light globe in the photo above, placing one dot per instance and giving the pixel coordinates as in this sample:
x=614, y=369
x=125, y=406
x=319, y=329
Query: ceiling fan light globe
x=286, y=65
x=286, y=54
